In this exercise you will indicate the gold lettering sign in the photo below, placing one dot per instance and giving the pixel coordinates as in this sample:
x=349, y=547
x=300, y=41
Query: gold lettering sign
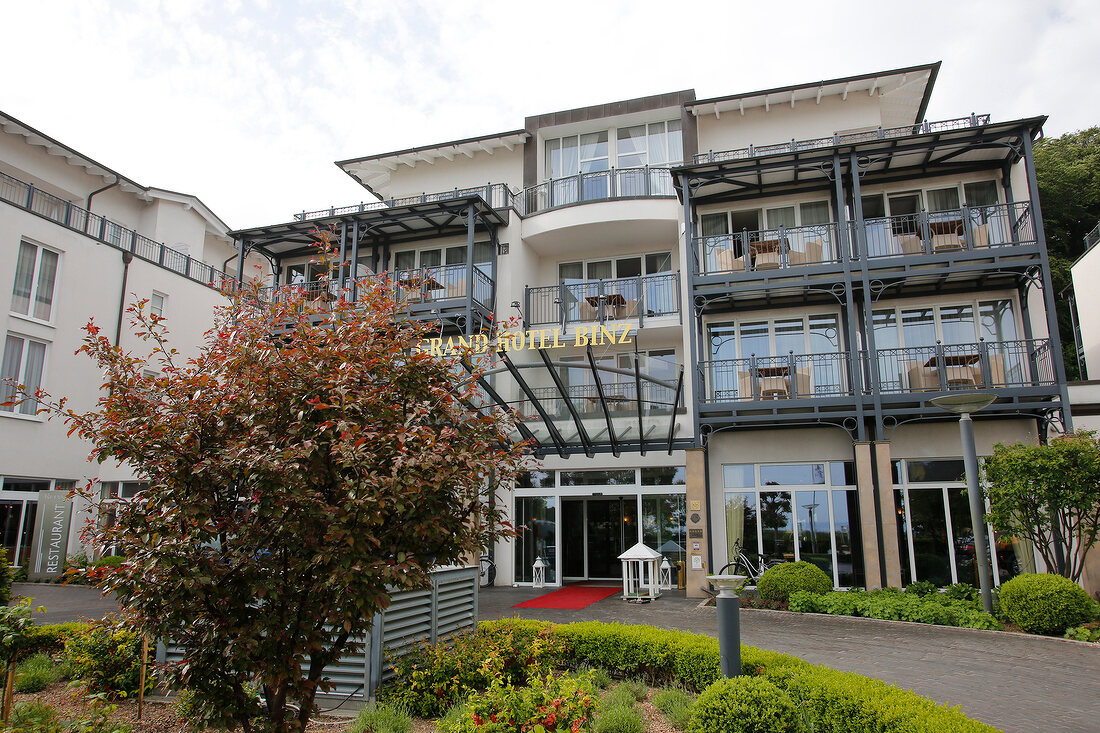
x=534, y=340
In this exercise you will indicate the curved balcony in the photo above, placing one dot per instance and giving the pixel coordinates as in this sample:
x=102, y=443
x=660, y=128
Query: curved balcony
x=582, y=188
x=625, y=298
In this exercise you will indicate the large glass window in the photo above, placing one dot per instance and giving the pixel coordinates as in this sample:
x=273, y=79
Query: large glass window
x=981, y=193
x=35, y=277
x=741, y=525
x=664, y=476
x=848, y=538
x=664, y=525
x=814, y=538
x=777, y=525
x=596, y=478
x=23, y=362
x=536, y=522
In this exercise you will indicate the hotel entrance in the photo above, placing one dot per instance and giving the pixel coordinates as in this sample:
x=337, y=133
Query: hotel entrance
x=595, y=531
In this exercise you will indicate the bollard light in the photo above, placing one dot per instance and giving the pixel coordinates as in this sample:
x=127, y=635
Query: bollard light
x=728, y=604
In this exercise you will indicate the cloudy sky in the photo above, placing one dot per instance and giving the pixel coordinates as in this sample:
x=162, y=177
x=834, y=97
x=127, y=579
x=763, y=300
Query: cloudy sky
x=246, y=103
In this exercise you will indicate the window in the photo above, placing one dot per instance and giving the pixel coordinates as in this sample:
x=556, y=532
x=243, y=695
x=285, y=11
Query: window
x=596, y=478
x=657, y=143
x=665, y=476
x=943, y=199
x=950, y=324
x=23, y=363
x=156, y=304
x=575, y=272
x=982, y=193
x=814, y=213
x=35, y=277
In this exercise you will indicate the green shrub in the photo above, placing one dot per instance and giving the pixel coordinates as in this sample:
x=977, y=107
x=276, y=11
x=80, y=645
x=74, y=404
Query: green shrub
x=803, y=601
x=35, y=673
x=961, y=592
x=1042, y=603
x=107, y=657
x=676, y=705
x=619, y=719
x=51, y=638
x=429, y=678
x=1085, y=632
x=744, y=705
x=933, y=608
x=6, y=573
x=779, y=581
x=921, y=587
x=600, y=678
x=382, y=719
x=33, y=717
x=637, y=688
x=692, y=660
x=19, y=574
x=556, y=703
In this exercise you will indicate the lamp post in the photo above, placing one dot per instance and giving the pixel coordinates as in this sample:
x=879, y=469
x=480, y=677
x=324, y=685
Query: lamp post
x=962, y=405
x=728, y=605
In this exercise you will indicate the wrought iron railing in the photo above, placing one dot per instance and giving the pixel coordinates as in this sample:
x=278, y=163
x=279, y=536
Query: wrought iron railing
x=409, y=287
x=792, y=376
x=769, y=248
x=951, y=367
x=624, y=298
x=620, y=397
x=933, y=232
x=1092, y=238
x=888, y=133
x=69, y=215
x=497, y=195
x=615, y=183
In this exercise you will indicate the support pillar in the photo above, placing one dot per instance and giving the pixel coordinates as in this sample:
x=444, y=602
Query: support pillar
x=868, y=523
x=698, y=549
x=884, y=479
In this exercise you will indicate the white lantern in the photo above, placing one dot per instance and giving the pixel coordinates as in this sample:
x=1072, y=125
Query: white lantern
x=641, y=582
x=666, y=575
x=539, y=572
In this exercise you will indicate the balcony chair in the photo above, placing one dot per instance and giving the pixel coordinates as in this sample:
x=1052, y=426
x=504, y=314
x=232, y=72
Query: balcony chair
x=629, y=309
x=745, y=382
x=727, y=262
x=775, y=387
x=801, y=385
x=586, y=312
x=997, y=370
x=456, y=288
x=811, y=256
x=910, y=244
x=921, y=377
x=767, y=261
x=979, y=234
x=948, y=242
x=963, y=377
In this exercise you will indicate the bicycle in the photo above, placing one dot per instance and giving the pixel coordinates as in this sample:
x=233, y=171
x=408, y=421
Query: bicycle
x=744, y=565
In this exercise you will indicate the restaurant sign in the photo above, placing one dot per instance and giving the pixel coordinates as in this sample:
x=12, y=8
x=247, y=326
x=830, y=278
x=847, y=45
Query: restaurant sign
x=51, y=535
x=532, y=340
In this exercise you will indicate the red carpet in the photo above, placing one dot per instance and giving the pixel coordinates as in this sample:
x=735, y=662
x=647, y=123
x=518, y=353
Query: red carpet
x=572, y=598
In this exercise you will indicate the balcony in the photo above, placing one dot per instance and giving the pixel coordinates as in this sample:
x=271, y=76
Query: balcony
x=959, y=367
x=797, y=146
x=919, y=370
x=497, y=195
x=626, y=298
x=616, y=183
x=978, y=229
x=428, y=292
x=790, y=377
x=73, y=217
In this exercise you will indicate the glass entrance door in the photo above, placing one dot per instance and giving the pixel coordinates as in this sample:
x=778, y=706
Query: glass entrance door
x=595, y=532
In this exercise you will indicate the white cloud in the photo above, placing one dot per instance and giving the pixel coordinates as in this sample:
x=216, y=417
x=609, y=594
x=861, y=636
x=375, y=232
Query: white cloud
x=246, y=104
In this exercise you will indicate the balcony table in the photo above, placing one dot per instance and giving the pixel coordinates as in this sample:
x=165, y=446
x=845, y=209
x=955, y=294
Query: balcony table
x=766, y=253
x=960, y=363
x=612, y=299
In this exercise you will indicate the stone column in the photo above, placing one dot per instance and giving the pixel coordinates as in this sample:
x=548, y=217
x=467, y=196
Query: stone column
x=698, y=551
x=889, y=514
x=868, y=517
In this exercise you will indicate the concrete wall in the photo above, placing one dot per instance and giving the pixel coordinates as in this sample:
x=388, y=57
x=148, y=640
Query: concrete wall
x=1086, y=275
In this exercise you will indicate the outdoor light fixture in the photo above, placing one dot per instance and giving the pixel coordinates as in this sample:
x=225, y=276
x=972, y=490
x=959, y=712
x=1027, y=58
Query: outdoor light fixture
x=666, y=575
x=728, y=604
x=539, y=573
x=962, y=405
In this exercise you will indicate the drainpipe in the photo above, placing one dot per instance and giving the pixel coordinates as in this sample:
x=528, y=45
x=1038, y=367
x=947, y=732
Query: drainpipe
x=127, y=258
x=88, y=201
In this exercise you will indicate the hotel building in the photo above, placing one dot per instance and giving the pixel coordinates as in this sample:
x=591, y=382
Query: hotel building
x=734, y=313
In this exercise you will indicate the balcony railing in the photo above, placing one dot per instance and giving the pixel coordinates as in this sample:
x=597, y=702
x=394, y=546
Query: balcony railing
x=624, y=298
x=940, y=368
x=794, y=376
x=969, y=229
x=73, y=217
x=497, y=195
x=770, y=249
x=410, y=287
x=620, y=398
x=1092, y=238
x=934, y=232
x=880, y=133
x=950, y=367
x=616, y=183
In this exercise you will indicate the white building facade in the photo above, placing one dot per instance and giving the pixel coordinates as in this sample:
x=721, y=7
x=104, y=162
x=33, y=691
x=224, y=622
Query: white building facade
x=735, y=312
x=79, y=242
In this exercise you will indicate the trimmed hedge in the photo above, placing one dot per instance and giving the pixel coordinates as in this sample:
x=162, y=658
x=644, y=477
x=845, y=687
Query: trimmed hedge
x=745, y=705
x=51, y=638
x=933, y=608
x=780, y=581
x=1042, y=603
x=838, y=701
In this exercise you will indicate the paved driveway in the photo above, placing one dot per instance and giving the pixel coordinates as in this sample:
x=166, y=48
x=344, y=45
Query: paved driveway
x=64, y=602
x=1017, y=683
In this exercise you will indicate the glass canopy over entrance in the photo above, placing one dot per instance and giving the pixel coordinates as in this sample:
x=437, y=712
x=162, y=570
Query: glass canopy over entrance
x=589, y=403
